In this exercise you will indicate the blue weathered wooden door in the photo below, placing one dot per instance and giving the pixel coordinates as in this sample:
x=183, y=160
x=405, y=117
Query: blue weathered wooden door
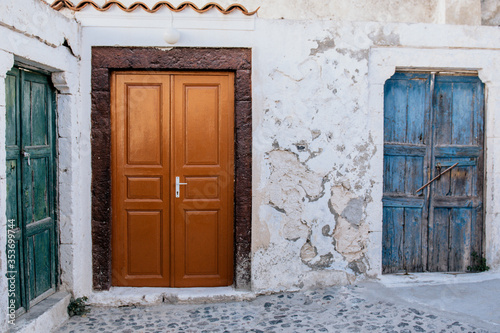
x=31, y=187
x=432, y=122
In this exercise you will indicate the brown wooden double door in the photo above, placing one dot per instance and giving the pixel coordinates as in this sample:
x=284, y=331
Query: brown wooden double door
x=168, y=125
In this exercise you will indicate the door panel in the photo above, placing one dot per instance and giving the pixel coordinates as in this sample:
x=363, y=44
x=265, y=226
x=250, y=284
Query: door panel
x=140, y=178
x=143, y=120
x=15, y=253
x=405, y=160
x=31, y=184
x=144, y=246
x=459, y=111
x=452, y=132
x=38, y=182
x=203, y=146
x=168, y=125
x=200, y=113
x=201, y=242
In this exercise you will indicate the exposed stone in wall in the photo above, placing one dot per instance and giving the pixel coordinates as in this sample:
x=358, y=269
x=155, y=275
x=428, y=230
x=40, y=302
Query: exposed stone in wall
x=317, y=157
x=35, y=19
x=490, y=12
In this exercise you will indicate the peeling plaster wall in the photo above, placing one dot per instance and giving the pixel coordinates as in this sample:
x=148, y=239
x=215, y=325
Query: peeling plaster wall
x=313, y=150
x=490, y=12
x=317, y=128
x=34, y=35
x=318, y=144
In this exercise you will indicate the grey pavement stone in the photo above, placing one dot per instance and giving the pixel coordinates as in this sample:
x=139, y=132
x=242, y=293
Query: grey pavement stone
x=362, y=308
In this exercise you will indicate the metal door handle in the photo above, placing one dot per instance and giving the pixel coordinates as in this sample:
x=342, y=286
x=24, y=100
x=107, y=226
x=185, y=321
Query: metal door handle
x=177, y=187
x=27, y=155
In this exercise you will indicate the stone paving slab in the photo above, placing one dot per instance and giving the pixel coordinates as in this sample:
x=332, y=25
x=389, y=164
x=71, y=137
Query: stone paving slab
x=334, y=309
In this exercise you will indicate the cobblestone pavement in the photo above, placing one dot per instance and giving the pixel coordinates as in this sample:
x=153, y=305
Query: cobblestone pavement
x=334, y=309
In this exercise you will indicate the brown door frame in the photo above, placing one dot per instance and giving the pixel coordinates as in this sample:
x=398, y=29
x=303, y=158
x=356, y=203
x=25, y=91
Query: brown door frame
x=107, y=59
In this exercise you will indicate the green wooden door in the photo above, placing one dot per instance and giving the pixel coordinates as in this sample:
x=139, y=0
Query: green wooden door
x=31, y=187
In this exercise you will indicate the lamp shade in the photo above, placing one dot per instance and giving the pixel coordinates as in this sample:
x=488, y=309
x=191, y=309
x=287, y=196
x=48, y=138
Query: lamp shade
x=171, y=35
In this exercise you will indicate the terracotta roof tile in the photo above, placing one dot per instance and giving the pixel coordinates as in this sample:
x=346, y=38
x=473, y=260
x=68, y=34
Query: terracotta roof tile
x=60, y=4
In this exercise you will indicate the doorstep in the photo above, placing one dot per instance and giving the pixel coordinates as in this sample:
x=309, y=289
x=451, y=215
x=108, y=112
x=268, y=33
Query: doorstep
x=420, y=279
x=45, y=316
x=127, y=296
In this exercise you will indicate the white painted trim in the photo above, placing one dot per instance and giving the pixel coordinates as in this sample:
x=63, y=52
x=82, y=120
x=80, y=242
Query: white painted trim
x=420, y=279
x=164, y=18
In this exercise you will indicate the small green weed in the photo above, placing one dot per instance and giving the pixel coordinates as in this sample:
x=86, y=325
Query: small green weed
x=78, y=307
x=478, y=264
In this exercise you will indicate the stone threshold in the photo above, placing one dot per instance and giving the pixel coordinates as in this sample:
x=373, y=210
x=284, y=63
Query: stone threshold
x=44, y=316
x=128, y=296
x=420, y=279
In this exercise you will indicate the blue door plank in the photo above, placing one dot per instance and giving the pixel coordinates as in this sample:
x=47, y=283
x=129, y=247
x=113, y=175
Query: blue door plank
x=413, y=240
x=477, y=230
x=406, y=146
x=414, y=173
x=417, y=93
x=462, y=114
x=396, y=109
x=395, y=167
x=404, y=150
x=478, y=114
x=393, y=245
x=461, y=189
x=438, y=240
x=463, y=180
x=460, y=240
x=443, y=104
x=454, y=151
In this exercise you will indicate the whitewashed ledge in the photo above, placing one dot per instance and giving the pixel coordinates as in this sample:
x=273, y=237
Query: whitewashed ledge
x=123, y=296
x=416, y=279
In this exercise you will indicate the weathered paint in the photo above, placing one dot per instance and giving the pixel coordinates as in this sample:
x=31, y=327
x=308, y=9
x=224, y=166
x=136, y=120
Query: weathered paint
x=31, y=184
x=456, y=206
x=431, y=123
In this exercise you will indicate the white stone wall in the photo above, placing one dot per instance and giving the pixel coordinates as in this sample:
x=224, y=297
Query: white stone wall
x=318, y=127
x=33, y=34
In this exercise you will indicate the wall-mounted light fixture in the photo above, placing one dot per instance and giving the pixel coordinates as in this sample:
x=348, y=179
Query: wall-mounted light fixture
x=171, y=35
